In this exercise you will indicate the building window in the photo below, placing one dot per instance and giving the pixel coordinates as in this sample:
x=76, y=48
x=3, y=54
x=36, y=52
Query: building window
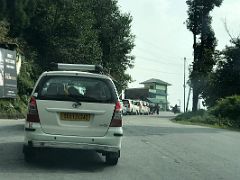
x=161, y=87
x=151, y=87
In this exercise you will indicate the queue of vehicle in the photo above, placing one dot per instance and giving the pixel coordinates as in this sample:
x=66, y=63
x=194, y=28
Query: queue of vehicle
x=135, y=107
x=65, y=111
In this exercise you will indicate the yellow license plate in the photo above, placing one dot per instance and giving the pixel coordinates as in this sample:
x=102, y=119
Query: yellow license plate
x=74, y=117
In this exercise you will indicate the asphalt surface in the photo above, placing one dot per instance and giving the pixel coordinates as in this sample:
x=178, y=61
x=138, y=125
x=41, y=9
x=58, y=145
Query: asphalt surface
x=153, y=148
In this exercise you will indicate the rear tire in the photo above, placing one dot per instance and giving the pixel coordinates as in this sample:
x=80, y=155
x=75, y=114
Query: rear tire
x=29, y=154
x=112, y=158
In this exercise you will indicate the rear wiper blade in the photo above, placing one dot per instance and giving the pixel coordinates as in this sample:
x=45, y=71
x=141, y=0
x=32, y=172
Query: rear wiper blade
x=74, y=99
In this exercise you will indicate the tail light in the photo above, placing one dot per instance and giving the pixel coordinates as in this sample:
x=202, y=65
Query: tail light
x=117, y=116
x=32, y=115
x=128, y=105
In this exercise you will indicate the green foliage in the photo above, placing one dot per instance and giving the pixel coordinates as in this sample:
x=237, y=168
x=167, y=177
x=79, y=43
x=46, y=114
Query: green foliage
x=224, y=81
x=4, y=30
x=16, y=13
x=116, y=40
x=2, y=8
x=198, y=14
x=61, y=31
x=227, y=110
x=200, y=116
x=224, y=114
x=12, y=108
x=77, y=31
x=199, y=23
x=26, y=78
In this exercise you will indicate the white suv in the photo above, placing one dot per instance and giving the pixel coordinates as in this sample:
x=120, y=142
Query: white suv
x=131, y=108
x=74, y=109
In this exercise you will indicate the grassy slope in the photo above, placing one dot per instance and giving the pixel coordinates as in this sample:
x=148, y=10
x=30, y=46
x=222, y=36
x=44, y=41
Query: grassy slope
x=202, y=118
x=13, y=108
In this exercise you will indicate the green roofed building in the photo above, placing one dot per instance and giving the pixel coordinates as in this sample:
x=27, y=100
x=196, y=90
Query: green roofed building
x=154, y=91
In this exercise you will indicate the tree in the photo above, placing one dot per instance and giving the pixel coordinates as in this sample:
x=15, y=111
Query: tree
x=17, y=14
x=76, y=31
x=224, y=81
x=4, y=32
x=199, y=23
x=61, y=31
x=2, y=9
x=115, y=38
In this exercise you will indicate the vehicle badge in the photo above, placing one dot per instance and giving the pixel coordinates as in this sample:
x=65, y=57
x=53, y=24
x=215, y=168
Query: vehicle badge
x=76, y=105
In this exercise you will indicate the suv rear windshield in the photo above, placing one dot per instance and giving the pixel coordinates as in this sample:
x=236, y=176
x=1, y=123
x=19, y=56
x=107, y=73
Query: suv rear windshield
x=125, y=102
x=75, y=88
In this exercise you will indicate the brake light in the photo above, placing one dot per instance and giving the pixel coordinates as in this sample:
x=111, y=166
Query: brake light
x=117, y=116
x=128, y=105
x=32, y=115
x=118, y=106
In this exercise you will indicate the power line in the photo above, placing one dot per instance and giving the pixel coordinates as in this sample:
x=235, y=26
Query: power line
x=158, y=50
x=154, y=70
x=155, y=60
x=152, y=53
x=152, y=44
x=142, y=50
x=155, y=46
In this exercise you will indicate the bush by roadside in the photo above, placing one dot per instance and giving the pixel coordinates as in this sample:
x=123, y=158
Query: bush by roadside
x=226, y=113
x=200, y=116
x=13, y=108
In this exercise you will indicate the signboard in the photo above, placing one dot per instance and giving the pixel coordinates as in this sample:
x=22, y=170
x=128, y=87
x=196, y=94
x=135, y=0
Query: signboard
x=8, y=74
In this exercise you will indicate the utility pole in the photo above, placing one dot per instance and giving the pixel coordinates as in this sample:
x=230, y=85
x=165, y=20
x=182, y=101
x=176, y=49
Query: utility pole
x=189, y=93
x=184, y=86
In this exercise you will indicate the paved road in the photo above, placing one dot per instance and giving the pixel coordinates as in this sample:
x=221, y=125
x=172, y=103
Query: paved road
x=153, y=149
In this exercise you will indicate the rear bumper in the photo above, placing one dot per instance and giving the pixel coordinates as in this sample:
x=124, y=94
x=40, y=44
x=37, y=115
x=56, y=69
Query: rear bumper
x=71, y=145
x=111, y=142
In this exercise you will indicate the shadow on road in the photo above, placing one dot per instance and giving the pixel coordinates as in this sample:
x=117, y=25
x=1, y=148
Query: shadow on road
x=16, y=127
x=134, y=130
x=89, y=161
x=12, y=160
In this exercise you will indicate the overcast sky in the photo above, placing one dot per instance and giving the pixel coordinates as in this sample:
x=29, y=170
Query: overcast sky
x=162, y=39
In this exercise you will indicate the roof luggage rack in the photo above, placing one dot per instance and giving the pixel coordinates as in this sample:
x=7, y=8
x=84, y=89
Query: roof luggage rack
x=78, y=67
x=81, y=67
